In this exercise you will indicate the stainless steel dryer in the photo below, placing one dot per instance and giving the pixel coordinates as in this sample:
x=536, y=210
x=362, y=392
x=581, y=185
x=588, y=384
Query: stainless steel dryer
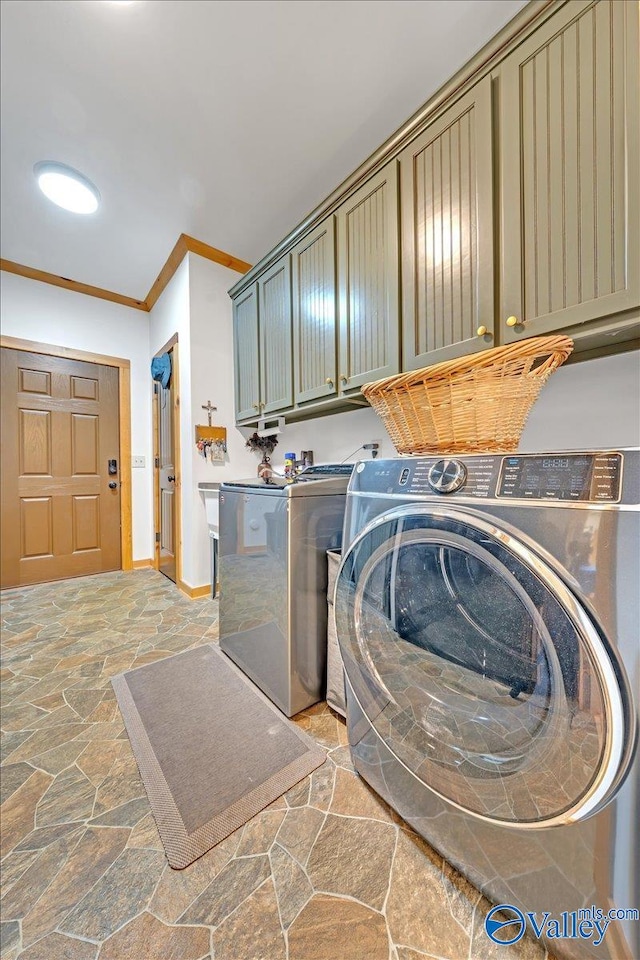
x=487, y=611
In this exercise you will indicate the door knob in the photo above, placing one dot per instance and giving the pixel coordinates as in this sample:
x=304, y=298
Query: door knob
x=171, y=479
x=513, y=322
x=329, y=382
x=481, y=331
x=343, y=378
x=113, y=485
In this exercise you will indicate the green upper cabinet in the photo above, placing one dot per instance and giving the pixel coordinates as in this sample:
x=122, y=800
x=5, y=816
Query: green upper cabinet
x=518, y=202
x=570, y=173
x=314, y=314
x=446, y=186
x=274, y=299
x=368, y=281
x=245, y=340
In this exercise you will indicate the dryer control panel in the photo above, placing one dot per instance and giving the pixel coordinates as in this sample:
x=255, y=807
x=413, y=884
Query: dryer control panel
x=474, y=477
x=568, y=477
x=584, y=477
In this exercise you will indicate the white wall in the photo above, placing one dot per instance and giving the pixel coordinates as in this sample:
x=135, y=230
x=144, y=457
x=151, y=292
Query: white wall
x=170, y=316
x=590, y=404
x=593, y=403
x=212, y=378
x=38, y=311
x=196, y=306
x=335, y=438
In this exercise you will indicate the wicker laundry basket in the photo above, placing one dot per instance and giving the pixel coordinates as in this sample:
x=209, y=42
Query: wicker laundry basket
x=472, y=404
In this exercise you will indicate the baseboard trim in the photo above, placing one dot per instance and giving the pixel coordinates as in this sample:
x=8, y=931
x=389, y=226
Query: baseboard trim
x=195, y=593
x=142, y=564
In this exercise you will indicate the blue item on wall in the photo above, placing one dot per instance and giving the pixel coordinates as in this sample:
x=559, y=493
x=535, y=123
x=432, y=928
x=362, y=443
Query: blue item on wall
x=161, y=369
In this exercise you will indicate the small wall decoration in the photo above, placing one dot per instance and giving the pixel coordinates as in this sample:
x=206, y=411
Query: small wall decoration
x=211, y=441
x=264, y=446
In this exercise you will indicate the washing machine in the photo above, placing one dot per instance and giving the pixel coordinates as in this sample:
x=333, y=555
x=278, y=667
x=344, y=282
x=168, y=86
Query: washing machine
x=487, y=610
x=273, y=578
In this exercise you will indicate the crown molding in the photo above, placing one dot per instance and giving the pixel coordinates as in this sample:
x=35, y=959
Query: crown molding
x=33, y=274
x=184, y=245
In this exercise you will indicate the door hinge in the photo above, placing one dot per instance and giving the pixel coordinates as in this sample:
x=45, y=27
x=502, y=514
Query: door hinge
x=155, y=388
x=158, y=537
x=157, y=462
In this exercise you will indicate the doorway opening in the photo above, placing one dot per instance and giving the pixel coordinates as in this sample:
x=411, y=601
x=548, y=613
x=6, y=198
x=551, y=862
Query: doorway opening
x=166, y=419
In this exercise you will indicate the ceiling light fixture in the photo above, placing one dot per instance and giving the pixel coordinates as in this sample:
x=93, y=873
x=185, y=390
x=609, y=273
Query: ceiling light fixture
x=66, y=187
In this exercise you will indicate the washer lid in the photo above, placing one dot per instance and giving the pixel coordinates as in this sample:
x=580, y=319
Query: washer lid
x=323, y=479
x=479, y=668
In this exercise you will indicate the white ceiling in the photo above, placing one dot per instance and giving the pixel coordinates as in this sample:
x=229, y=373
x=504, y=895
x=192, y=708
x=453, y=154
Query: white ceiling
x=228, y=120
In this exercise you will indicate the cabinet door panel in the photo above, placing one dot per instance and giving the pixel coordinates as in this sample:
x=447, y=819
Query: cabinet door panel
x=276, y=381
x=368, y=281
x=570, y=205
x=446, y=188
x=314, y=314
x=247, y=375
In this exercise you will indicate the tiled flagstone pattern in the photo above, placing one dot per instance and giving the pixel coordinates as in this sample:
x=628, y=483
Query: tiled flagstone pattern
x=327, y=872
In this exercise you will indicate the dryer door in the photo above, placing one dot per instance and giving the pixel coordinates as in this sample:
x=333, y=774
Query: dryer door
x=479, y=669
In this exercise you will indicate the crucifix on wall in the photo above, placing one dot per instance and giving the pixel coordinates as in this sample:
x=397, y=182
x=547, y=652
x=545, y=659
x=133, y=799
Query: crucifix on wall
x=211, y=441
x=209, y=408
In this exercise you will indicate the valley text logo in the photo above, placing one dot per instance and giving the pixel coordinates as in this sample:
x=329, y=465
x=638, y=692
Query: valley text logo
x=506, y=924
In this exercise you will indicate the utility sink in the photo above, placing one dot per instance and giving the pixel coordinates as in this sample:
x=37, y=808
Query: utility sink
x=210, y=493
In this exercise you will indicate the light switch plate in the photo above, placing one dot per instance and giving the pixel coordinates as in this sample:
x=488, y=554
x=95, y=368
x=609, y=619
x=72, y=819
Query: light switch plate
x=137, y=461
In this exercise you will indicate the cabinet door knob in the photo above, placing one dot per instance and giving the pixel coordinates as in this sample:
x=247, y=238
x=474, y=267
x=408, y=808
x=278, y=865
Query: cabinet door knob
x=344, y=379
x=329, y=382
x=513, y=322
x=481, y=331
x=256, y=406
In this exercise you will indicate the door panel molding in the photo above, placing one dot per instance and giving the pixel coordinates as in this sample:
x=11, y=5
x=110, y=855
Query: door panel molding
x=36, y=537
x=124, y=398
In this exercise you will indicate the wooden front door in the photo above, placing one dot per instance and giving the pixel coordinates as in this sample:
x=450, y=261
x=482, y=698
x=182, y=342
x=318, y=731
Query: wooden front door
x=60, y=503
x=166, y=470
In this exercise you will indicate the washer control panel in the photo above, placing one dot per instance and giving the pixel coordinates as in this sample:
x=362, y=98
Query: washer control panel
x=446, y=476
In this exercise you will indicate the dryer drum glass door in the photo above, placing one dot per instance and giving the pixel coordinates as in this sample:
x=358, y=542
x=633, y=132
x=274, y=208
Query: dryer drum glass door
x=479, y=669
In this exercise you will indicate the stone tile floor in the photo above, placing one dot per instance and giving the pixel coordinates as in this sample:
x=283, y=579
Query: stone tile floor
x=327, y=872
